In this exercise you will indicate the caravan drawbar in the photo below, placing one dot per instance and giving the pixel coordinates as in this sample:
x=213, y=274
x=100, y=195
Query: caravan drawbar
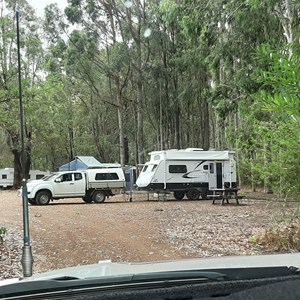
x=190, y=172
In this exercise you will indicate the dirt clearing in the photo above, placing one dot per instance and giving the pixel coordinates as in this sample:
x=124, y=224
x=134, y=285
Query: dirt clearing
x=70, y=232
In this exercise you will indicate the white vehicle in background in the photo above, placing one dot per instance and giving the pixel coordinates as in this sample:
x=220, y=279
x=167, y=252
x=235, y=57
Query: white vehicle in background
x=190, y=172
x=92, y=185
x=7, y=176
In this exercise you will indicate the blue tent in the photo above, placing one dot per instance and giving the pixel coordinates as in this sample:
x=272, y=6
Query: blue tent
x=81, y=163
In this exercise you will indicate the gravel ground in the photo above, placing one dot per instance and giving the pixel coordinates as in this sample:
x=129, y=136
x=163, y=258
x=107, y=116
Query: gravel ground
x=70, y=232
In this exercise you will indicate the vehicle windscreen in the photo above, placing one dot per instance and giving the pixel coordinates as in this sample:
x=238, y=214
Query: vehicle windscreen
x=196, y=102
x=49, y=177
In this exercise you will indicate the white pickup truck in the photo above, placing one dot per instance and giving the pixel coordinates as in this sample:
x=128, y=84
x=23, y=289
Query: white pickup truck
x=92, y=185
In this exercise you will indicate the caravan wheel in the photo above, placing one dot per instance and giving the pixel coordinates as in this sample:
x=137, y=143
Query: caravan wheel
x=193, y=194
x=178, y=195
x=203, y=195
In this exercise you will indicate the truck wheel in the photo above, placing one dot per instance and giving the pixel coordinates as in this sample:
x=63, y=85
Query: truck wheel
x=32, y=201
x=99, y=196
x=193, y=194
x=178, y=195
x=87, y=199
x=43, y=198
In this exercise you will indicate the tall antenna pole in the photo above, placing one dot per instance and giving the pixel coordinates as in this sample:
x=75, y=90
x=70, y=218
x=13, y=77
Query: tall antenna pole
x=27, y=258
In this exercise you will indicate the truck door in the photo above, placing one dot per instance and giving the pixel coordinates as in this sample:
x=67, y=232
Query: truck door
x=65, y=186
x=79, y=186
x=70, y=185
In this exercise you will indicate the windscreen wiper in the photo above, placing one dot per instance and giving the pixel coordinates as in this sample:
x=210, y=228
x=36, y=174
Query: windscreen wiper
x=24, y=289
x=180, y=275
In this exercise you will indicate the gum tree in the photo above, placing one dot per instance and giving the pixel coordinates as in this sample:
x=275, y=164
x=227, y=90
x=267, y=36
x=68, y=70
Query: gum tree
x=31, y=52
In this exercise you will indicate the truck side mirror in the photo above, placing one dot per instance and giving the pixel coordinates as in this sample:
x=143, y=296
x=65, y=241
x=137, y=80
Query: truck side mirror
x=58, y=180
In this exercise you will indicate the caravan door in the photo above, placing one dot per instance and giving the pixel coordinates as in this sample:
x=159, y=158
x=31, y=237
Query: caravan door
x=216, y=175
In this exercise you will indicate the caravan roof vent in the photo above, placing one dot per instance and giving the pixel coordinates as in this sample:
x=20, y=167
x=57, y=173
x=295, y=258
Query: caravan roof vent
x=193, y=149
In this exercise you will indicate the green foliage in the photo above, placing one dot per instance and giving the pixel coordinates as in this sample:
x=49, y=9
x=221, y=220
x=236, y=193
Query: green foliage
x=31, y=63
x=74, y=13
x=280, y=78
x=268, y=146
x=169, y=10
x=273, y=149
x=207, y=76
x=254, y=240
x=3, y=231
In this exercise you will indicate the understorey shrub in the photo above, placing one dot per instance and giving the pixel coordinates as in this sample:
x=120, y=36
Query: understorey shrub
x=282, y=238
x=3, y=231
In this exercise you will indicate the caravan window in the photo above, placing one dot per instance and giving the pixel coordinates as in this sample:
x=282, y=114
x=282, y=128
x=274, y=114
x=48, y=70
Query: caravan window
x=205, y=167
x=153, y=168
x=4, y=176
x=106, y=176
x=156, y=157
x=211, y=168
x=177, y=169
x=145, y=168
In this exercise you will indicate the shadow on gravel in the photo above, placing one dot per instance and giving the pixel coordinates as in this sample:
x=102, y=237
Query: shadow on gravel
x=127, y=202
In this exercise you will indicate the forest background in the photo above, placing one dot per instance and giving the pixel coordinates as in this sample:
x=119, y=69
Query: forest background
x=117, y=79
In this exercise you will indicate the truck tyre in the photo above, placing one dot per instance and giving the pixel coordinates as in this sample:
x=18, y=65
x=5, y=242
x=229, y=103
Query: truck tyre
x=87, y=199
x=99, y=196
x=178, y=195
x=193, y=194
x=43, y=197
x=32, y=201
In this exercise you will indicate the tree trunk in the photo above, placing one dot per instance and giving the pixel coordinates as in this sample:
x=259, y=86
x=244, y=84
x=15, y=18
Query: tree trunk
x=205, y=124
x=118, y=92
x=139, y=100
x=161, y=134
x=120, y=123
x=17, y=169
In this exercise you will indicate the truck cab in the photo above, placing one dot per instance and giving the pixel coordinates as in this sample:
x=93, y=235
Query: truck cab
x=70, y=184
x=57, y=185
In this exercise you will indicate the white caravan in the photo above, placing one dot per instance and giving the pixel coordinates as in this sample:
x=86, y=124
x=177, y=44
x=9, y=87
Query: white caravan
x=191, y=172
x=7, y=176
